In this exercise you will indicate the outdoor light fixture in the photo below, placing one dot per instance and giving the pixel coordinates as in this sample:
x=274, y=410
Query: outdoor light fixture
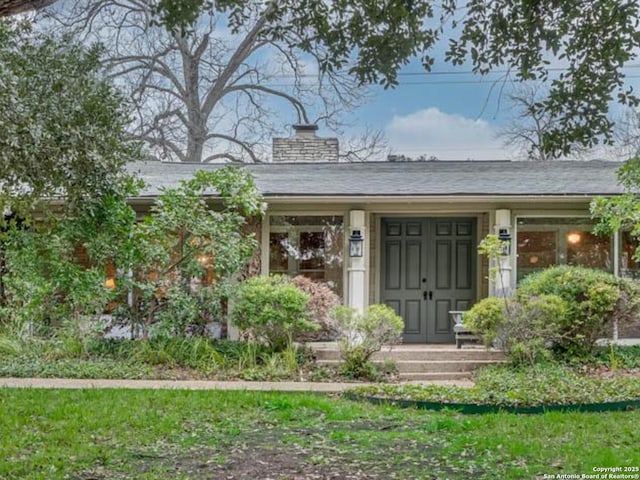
x=505, y=238
x=574, y=237
x=355, y=244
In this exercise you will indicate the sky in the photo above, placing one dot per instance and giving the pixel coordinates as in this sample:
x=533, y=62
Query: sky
x=451, y=114
x=448, y=116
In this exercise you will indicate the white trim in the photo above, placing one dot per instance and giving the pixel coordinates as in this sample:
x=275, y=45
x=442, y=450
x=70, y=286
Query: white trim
x=616, y=253
x=489, y=199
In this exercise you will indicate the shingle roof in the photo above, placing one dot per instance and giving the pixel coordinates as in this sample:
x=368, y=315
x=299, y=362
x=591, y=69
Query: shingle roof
x=438, y=178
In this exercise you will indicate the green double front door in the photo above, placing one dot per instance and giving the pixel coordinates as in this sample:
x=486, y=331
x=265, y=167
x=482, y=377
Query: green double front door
x=427, y=269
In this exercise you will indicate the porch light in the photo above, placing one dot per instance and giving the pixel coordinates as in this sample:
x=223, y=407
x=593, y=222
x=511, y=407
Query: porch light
x=574, y=237
x=355, y=244
x=505, y=238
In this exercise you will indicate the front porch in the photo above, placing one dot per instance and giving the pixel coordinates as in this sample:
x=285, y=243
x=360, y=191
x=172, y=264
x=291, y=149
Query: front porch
x=421, y=362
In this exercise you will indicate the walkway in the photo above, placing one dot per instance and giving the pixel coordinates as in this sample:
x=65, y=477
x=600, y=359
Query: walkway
x=322, y=387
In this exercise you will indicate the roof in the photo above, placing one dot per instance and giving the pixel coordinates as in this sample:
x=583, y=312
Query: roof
x=432, y=178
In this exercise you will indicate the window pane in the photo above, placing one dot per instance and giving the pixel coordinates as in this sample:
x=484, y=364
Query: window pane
x=588, y=250
x=544, y=242
x=309, y=245
x=536, y=250
x=312, y=251
x=278, y=257
x=629, y=267
x=284, y=220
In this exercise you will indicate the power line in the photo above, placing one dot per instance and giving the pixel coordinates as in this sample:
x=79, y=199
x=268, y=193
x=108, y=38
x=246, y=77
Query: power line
x=444, y=73
x=486, y=83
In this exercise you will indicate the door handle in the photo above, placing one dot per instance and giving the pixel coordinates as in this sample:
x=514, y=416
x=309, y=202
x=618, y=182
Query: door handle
x=430, y=295
x=427, y=295
x=424, y=295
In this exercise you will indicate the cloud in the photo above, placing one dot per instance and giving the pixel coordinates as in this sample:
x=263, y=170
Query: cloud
x=431, y=132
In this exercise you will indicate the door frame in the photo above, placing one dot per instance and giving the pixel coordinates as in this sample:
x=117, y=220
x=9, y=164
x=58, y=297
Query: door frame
x=377, y=257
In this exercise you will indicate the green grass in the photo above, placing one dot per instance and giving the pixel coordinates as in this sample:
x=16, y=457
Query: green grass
x=111, y=434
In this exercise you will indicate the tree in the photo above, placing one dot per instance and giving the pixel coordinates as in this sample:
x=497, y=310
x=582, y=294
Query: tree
x=62, y=125
x=594, y=40
x=172, y=270
x=526, y=130
x=374, y=39
x=209, y=93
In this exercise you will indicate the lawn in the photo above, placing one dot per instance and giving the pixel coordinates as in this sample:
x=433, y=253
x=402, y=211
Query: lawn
x=111, y=434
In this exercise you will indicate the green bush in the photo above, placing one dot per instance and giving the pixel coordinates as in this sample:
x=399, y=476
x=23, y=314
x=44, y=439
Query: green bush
x=271, y=309
x=360, y=336
x=485, y=318
x=593, y=298
x=532, y=327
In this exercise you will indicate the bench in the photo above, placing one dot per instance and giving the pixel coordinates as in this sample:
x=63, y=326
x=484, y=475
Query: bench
x=462, y=334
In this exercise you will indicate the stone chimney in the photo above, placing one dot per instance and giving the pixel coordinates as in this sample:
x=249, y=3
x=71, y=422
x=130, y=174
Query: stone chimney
x=305, y=146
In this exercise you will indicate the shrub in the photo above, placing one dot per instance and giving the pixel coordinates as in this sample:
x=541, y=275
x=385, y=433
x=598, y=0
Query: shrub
x=593, y=299
x=271, y=309
x=485, y=317
x=531, y=327
x=525, y=329
x=360, y=336
x=321, y=301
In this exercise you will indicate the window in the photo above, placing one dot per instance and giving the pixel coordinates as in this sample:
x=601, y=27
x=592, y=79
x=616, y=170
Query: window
x=629, y=266
x=544, y=242
x=308, y=245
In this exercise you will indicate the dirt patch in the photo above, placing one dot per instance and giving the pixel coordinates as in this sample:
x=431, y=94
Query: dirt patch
x=274, y=463
x=302, y=454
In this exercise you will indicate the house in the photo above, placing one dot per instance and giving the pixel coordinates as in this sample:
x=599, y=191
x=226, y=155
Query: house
x=420, y=224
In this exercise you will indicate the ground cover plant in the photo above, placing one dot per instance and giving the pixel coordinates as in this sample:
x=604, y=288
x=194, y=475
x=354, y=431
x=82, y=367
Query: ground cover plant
x=524, y=386
x=118, y=434
x=161, y=358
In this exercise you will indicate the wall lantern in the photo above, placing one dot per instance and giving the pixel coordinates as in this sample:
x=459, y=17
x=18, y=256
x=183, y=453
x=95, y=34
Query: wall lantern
x=505, y=238
x=355, y=244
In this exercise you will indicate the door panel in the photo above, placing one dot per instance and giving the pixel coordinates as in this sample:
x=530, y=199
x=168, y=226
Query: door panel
x=392, y=265
x=413, y=317
x=428, y=270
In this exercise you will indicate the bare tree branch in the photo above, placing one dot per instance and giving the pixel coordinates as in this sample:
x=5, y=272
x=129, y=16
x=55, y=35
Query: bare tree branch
x=213, y=93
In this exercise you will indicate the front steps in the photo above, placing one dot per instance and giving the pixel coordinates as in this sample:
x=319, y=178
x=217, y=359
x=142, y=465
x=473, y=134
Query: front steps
x=422, y=362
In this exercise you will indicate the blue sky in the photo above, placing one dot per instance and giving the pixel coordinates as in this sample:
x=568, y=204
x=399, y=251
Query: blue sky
x=452, y=116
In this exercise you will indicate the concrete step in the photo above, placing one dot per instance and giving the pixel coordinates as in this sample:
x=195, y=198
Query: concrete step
x=430, y=376
x=446, y=366
x=452, y=354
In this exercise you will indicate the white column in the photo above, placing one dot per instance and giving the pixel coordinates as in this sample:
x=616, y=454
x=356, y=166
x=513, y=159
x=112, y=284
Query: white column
x=503, y=285
x=356, y=265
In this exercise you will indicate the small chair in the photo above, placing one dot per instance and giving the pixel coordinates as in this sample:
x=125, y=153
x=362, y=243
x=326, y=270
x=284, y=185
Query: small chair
x=462, y=333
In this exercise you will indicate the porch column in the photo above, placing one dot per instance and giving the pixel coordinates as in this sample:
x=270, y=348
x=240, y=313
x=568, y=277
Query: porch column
x=503, y=282
x=356, y=265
